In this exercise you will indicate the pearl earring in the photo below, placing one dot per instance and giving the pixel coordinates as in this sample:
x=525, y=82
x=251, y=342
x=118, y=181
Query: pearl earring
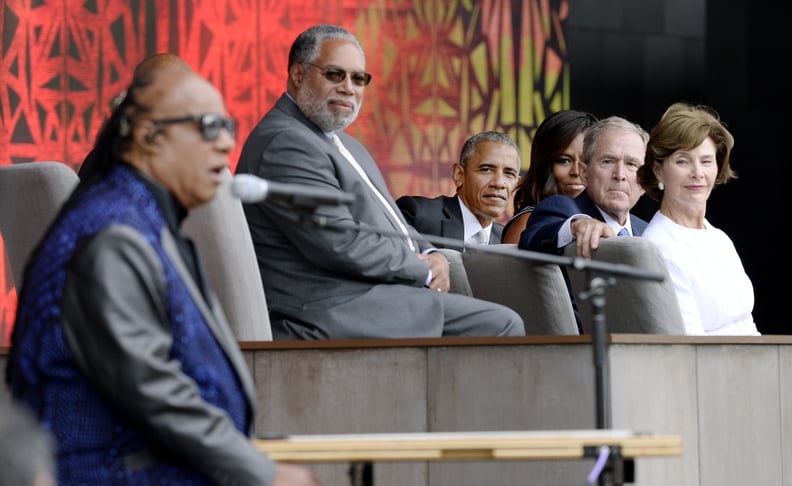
x=661, y=186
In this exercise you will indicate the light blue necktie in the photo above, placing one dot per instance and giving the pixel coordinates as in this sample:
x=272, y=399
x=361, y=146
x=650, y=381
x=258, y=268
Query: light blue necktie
x=623, y=232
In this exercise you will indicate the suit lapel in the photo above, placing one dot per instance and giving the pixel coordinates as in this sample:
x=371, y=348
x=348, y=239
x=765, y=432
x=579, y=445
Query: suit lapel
x=369, y=167
x=586, y=205
x=214, y=316
x=452, y=225
x=496, y=234
x=638, y=225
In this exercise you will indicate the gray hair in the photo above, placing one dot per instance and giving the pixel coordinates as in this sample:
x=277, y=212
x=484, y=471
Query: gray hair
x=610, y=123
x=470, y=146
x=306, y=46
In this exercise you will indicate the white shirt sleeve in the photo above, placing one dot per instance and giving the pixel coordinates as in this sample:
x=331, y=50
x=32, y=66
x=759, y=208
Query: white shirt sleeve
x=565, y=235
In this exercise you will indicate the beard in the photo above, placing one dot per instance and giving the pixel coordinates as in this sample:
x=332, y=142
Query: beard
x=315, y=108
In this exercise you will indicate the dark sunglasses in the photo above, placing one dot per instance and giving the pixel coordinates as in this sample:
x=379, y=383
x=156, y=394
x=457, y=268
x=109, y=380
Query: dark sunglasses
x=210, y=124
x=338, y=75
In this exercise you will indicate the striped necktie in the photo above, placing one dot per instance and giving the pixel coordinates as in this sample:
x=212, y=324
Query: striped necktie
x=388, y=208
x=480, y=238
x=623, y=232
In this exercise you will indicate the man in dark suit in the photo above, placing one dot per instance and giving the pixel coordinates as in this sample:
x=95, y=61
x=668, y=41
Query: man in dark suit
x=485, y=176
x=613, y=150
x=343, y=272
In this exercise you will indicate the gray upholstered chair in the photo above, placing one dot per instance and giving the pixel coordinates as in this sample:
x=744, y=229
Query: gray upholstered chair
x=219, y=230
x=457, y=274
x=31, y=194
x=631, y=305
x=537, y=291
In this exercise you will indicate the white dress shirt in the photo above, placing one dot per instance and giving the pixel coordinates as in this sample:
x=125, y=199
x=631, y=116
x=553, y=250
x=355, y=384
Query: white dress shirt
x=472, y=225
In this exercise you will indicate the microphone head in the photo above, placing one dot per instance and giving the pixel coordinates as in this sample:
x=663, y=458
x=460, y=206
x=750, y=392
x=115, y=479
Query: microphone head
x=249, y=188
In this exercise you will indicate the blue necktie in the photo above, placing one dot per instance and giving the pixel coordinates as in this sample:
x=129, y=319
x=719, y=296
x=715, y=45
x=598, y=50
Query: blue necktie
x=623, y=232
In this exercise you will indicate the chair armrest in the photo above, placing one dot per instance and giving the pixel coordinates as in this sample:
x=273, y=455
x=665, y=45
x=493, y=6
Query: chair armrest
x=458, y=274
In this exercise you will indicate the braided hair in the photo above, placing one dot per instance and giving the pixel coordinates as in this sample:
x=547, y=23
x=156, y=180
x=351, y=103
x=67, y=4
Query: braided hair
x=115, y=136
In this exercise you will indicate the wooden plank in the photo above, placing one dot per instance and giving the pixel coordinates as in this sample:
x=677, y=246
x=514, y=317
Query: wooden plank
x=460, y=446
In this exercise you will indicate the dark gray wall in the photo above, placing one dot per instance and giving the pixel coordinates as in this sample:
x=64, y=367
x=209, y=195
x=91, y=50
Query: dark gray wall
x=635, y=57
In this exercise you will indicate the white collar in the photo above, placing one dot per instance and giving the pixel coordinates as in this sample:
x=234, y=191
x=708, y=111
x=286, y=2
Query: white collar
x=615, y=224
x=472, y=225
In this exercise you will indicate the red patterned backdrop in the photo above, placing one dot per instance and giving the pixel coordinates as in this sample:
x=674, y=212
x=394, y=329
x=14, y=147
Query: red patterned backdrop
x=443, y=70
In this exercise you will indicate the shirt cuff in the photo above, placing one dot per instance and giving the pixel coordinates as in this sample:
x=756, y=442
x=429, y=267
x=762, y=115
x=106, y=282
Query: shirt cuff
x=427, y=251
x=565, y=235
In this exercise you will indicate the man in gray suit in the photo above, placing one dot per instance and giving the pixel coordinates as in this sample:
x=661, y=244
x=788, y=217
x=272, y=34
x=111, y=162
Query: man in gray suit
x=344, y=272
x=485, y=176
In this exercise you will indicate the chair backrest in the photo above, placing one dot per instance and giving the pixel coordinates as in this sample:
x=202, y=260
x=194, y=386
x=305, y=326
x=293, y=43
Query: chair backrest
x=219, y=230
x=31, y=194
x=631, y=305
x=536, y=291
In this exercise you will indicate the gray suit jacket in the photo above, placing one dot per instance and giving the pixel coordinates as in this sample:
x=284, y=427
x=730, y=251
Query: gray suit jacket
x=184, y=424
x=441, y=216
x=333, y=276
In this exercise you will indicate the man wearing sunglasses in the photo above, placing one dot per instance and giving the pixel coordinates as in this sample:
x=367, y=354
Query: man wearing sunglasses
x=342, y=272
x=120, y=346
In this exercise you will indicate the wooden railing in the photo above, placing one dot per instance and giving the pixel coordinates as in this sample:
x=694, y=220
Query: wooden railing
x=613, y=450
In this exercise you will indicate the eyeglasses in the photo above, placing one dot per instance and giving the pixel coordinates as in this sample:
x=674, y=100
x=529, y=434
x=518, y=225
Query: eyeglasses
x=210, y=124
x=338, y=75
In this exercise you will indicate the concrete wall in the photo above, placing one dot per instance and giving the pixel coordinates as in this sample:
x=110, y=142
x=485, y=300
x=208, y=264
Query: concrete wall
x=729, y=398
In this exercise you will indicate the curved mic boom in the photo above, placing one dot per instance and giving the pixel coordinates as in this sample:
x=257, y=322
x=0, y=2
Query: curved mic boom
x=251, y=189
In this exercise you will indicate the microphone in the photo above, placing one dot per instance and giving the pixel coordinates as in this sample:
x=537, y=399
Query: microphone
x=251, y=189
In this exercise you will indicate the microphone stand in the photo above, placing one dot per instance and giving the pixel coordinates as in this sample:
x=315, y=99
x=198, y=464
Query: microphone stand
x=596, y=295
x=600, y=276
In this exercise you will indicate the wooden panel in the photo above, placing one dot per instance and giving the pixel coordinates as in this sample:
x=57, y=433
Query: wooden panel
x=739, y=415
x=330, y=391
x=654, y=388
x=507, y=388
x=785, y=381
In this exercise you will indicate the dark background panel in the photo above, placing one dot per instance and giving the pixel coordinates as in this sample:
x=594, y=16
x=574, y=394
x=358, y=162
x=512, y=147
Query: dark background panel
x=635, y=58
